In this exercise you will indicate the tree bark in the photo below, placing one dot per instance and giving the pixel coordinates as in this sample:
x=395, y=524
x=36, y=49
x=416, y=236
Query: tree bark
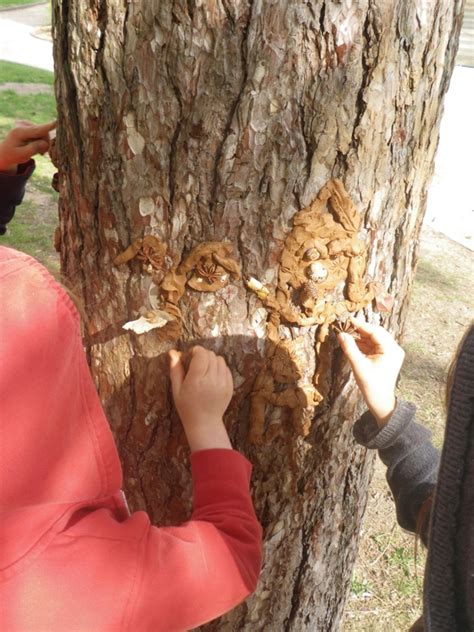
x=218, y=121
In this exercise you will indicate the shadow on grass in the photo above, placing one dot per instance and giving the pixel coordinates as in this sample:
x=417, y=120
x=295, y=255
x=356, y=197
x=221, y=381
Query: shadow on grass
x=429, y=275
x=424, y=368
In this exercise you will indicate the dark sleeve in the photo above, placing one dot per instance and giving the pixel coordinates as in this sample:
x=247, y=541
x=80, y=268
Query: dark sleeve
x=412, y=462
x=12, y=190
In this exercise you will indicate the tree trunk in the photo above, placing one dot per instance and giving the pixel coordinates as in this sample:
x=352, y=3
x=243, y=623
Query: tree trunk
x=217, y=122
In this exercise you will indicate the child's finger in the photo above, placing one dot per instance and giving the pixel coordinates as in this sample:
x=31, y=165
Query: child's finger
x=32, y=132
x=38, y=146
x=221, y=363
x=27, y=151
x=366, y=346
x=229, y=378
x=368, y=328
x=177, y=372
x=199, y=364
x=351, y=350
x=212, y=369
x=377, y=334
x=22, y=123
x=222, y=369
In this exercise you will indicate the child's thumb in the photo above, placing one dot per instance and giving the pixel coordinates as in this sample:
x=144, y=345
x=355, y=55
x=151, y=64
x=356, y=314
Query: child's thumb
x=25, y=152
x=39, y=146
x=176, y=371
x=351, y=350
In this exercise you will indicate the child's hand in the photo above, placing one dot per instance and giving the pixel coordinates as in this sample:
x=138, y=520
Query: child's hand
x=22, y=143
x=201, y=395
x=376, y=360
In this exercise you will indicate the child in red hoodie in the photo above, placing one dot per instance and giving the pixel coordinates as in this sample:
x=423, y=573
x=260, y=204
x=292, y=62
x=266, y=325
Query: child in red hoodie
x=71, y=556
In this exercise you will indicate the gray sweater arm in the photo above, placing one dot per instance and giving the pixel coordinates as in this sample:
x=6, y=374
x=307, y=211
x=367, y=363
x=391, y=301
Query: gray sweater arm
x=412, y=461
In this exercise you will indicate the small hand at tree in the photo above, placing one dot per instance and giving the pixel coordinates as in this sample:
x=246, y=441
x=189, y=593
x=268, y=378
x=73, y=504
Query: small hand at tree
x=22, y=143
x=201, y=395
x=376, y=360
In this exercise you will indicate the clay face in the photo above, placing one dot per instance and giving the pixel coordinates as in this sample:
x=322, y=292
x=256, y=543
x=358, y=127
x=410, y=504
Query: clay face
x=207, y=268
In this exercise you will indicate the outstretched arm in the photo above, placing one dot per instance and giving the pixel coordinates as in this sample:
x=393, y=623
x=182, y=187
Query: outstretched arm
x=389, y=426
x=202, y=569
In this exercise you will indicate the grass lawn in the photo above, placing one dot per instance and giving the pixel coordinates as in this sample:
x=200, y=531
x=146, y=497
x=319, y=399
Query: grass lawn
x=8, y=4
x=37, y=108
x=32, y=229
x=18, y=73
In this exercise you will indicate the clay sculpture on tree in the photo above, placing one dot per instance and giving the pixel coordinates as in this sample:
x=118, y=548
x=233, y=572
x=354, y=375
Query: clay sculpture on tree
x=320, y=283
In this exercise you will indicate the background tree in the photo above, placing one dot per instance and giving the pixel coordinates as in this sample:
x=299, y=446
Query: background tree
x=212, y=121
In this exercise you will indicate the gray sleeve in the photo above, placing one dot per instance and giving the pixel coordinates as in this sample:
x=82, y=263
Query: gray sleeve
x=412, y=462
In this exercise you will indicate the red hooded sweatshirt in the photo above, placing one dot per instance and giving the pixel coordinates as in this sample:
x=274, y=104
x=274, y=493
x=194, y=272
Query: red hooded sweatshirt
x=71, y=556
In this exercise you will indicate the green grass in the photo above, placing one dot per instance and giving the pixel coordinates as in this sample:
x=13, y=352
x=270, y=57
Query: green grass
x=35, y=220
x=402, y=559
x=44, y=174
x=359, y=588
x=398, y=558
x=7, y=4
x=18, y=73
x=32, y=230
x=37, y=108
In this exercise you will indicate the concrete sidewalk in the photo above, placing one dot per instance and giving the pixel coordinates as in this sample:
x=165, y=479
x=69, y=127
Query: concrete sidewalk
x=17, y=43
x=450, y=207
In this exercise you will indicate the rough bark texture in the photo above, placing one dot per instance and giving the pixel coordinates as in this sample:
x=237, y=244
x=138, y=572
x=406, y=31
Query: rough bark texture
x=212, y=120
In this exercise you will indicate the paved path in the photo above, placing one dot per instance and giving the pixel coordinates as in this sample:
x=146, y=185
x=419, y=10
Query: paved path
x=451, y=194
x=26, y=88
x=466, y=41
x=36, y=15
x=17, y=42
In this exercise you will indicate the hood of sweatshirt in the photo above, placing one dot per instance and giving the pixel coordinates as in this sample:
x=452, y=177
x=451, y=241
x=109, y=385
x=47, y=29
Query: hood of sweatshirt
x=57, y=453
